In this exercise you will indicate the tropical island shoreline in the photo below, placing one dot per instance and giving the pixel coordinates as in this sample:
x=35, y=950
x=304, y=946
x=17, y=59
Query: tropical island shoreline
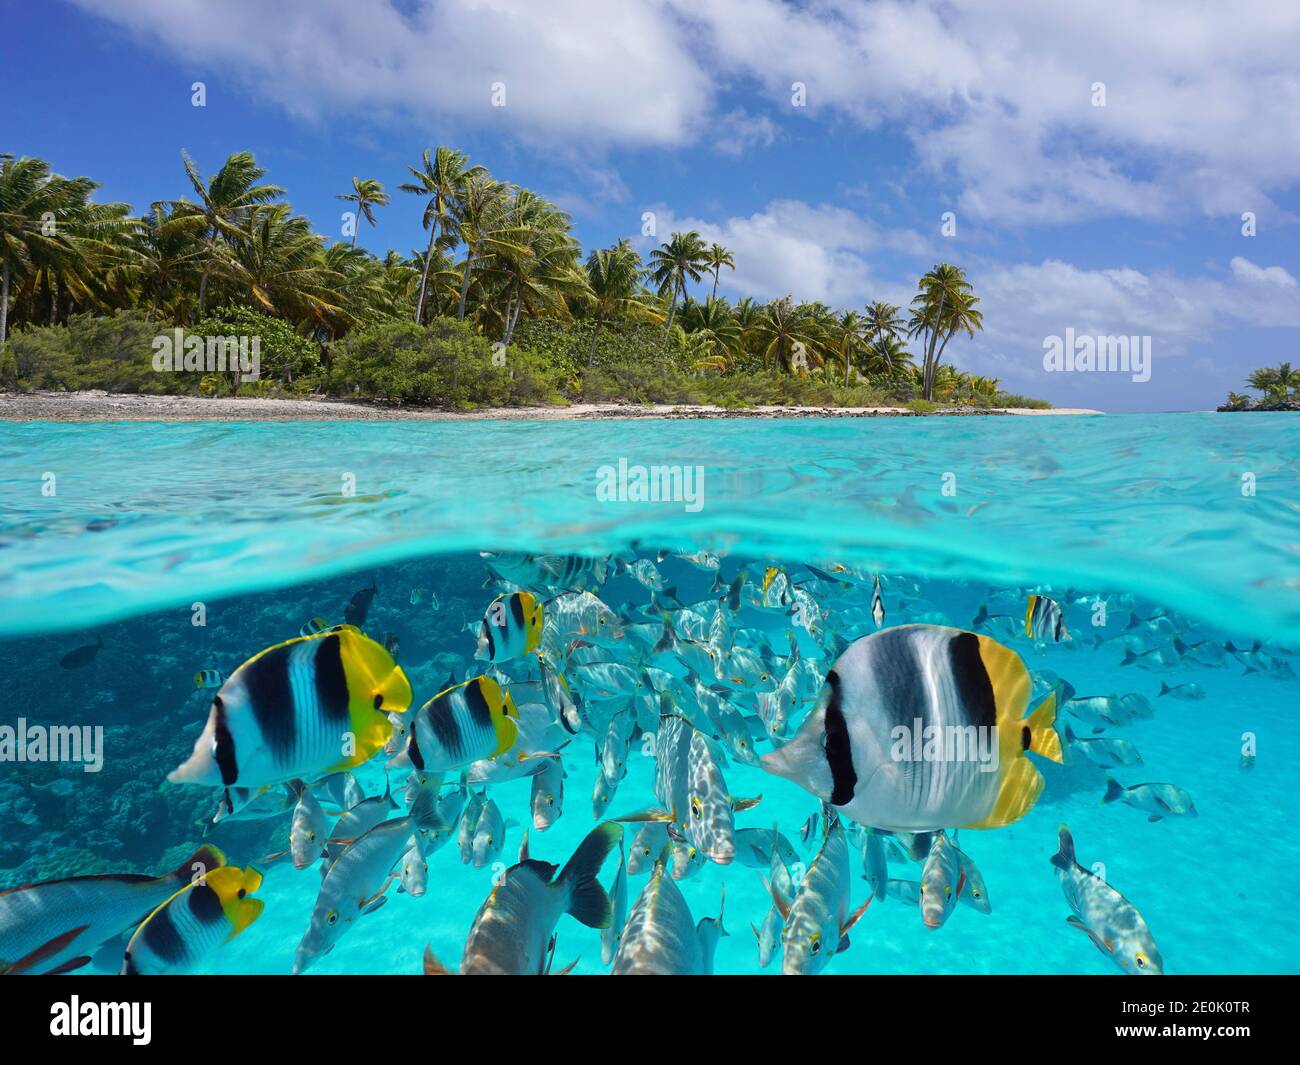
x=99, y=406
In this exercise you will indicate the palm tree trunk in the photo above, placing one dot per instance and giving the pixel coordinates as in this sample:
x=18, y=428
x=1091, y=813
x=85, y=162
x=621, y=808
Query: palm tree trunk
x=464, y=284
x=716, y=270
x=203, y=292
x=4, y=303
x=927, y=371
x=591, y=351
x=424, y=278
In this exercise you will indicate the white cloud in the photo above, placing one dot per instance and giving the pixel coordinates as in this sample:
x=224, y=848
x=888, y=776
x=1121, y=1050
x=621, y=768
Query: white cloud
x=1027, y=302
x=578, y=69
x=738, y=131
x=996, y=98
x=1245, y=270
x=791, y=247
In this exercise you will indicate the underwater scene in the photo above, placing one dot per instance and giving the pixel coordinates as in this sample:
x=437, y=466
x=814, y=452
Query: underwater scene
x=965, y=696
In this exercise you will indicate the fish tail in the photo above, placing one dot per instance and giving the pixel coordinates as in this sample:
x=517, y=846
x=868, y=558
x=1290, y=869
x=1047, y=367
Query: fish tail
x=1064, y=857
x=980, y=618
x=1129, y=658
x=1029, y=615
x=1043, y=738
x=1114, y=789
x=1164, y=689
x=588, y=902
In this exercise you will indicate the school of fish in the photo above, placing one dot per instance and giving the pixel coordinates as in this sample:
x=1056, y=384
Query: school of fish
x=910, y=738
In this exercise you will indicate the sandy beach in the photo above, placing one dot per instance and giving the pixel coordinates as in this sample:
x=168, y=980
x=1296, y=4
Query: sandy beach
x=107, y=407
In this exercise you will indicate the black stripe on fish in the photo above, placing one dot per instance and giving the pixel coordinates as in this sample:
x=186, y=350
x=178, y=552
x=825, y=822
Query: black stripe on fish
x=517, y=610
x=331, y=681
x=442, y=720
x=413, y=751
x=839, y=748
x=223, y=746
x=491, y=642
x=162, y=937
x=1027, y=737
x=270, y=695
x=971, y=679
x=205, y=905
x=478, y=704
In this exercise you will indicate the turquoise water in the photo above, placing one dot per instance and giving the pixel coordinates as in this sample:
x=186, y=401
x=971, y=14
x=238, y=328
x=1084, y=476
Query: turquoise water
x=1196, y=517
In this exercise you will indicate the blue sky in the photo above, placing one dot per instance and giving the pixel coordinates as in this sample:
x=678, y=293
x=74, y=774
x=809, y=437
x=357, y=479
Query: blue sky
x=1122, y=219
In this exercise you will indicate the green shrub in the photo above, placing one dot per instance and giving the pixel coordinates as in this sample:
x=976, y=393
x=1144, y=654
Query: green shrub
x=442, y=364
x=285, y=356
x=115, y=354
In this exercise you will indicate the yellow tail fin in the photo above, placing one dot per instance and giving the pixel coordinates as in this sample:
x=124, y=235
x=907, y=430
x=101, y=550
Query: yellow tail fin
x=1042, y=732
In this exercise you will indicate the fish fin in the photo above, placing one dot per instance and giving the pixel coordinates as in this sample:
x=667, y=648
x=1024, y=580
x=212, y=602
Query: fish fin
x=71, y=965
x=1097, y=941
x=1043, y=738
x=432, y=966
x=1064, y=857
x=646, y=815
x=46, y=950
x=568, y=968
x=588, y=902
x=1154, y=818
x=1020, y=788
x=745, y=804
x=855, y=917
x=782, y=905
x=206, y=857
x=1114, y=790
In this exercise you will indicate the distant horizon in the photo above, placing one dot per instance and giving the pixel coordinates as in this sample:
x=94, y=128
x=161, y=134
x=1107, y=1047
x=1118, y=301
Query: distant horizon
x=922, y=135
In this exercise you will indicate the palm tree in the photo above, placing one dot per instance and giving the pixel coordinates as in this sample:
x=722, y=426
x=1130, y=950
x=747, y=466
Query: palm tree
x=614, y=280
x=441, y=178
x=539, y=274
x=887, y=356
x=164, y=257
x=280, y=263
x=486, y=226
x=1276, y=382
x=37, y=212
x=782, y=329
x=225, y=202
x=943, y=305
x=717, y=257
x=848, y=339
x=367, y=194
x=681, y=257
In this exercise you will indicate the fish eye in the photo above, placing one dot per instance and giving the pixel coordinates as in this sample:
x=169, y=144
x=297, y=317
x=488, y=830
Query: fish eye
x=1141, y=960
x=602, y=619
x=697, y=808
x=815, y=944
x=947, y=894
x=311, y=834
x=332, y=917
